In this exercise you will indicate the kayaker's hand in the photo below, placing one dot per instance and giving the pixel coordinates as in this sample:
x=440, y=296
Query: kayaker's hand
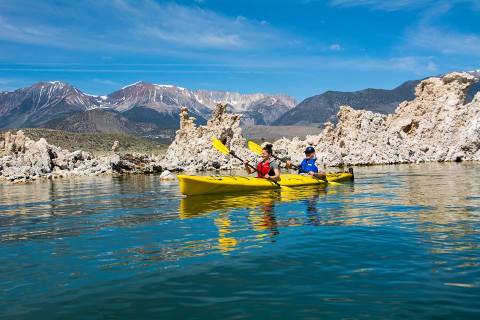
x=267, y=176
x=289, y=164
x=245, y=162
x=311, y=173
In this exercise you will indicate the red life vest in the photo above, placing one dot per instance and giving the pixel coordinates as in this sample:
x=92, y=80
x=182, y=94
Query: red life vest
x=263, y=169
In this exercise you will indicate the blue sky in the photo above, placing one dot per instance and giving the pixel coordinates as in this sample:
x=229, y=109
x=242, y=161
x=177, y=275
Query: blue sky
x=300, y=48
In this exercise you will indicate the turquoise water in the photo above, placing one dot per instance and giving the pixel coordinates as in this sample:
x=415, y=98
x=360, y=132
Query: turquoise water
x=402, y=242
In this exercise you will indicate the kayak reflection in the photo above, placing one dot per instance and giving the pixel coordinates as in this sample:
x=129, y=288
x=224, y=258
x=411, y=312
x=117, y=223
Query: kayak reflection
x=204, y=204
x=261, y=212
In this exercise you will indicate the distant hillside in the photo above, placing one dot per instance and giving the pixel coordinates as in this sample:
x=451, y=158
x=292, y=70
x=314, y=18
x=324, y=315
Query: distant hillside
x=95, y=121
x=272, y=133
x=324, y=107
x=97, y=143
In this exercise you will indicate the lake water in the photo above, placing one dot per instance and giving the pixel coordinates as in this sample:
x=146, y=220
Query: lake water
x=401, y=242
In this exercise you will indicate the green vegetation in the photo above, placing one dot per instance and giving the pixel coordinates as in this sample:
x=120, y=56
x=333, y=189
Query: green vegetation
x=96, y=143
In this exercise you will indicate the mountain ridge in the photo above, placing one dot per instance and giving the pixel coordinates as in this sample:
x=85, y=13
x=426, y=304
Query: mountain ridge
x=324, y=107
x=45, y=102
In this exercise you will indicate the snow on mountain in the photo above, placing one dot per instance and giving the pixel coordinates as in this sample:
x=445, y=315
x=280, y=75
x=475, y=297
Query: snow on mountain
x=141, y=101
x=42, y=102
x=169, y=98
x=475, y=73
x=161, y=98
x=249, y=104
x=169, y=86
x=239, y=102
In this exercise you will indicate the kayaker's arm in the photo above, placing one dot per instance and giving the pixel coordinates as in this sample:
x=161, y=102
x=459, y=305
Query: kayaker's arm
x=288, y=164
x=275, y=177
x=319, y=175
x=247, y=167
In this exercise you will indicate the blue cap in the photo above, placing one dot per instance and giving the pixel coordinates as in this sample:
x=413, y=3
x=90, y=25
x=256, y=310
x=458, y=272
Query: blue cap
x=310, y=150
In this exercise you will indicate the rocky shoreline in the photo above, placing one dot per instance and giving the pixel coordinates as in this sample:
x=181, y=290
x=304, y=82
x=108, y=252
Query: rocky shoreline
x=438, y=125
x=23, y=159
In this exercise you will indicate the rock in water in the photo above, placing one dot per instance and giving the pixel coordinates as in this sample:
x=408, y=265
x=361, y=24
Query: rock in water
x=167, y=176
x=192, y=148
x=26, y=159
x=437, y=126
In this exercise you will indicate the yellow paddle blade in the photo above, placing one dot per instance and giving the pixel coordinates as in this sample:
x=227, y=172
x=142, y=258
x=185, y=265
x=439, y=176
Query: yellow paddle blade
x=255, y=148
x=217, y=144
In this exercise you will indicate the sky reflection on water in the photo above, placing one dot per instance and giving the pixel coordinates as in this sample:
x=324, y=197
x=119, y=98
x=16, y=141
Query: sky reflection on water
x=401, y=241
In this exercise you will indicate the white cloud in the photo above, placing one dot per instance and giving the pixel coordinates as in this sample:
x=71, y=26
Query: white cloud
x=443, y=41
x=431, y=66
x=191, y=26
x=417, y=65
x=413, y=64
x=31, y=34
x=396, y=5
x=387, y=5
x=191, y=33
x=4, y=81
x=105, y=82
x=225, y=70
x=335, y=47
x=143, y=25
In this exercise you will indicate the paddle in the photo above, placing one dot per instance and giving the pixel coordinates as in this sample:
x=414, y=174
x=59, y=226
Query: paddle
x=217, y=144
x=255, y=148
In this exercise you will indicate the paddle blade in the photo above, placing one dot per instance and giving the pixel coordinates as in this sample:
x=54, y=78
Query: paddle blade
x=255, y=148
x=217, y=144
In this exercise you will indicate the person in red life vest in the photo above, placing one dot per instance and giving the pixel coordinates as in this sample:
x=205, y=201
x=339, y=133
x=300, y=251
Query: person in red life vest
x=268, y=167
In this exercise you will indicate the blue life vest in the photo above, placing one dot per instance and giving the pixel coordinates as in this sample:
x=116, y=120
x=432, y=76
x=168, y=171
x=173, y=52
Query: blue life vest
x=308, y=165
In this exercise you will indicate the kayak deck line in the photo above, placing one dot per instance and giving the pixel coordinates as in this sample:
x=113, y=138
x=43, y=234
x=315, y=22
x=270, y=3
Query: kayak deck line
x=199, y=185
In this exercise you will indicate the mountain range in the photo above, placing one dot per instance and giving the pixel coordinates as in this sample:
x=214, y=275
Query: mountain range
x=140, y=107
x=152, y=110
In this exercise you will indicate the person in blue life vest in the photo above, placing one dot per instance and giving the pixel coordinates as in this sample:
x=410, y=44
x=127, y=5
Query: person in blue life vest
x=267, y=168
x=308, y=165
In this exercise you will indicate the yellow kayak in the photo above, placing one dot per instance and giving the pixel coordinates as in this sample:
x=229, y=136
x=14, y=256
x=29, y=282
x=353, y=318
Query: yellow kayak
x=197, y=185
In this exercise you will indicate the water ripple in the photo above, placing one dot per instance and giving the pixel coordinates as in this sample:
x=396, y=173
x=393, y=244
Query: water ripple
x=400, y=242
